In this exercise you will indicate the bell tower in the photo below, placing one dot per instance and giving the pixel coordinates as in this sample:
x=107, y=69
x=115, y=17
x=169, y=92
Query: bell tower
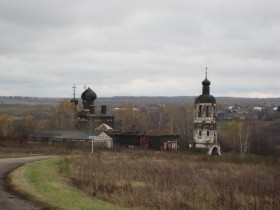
x=205, y=125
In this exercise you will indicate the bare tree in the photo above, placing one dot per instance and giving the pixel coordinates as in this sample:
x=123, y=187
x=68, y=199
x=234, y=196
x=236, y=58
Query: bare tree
x=5, y=126
x=184, y=125
x=244, y=131
x=24, y=126
x=63, y=115
x=233, y=128
x=130, y=119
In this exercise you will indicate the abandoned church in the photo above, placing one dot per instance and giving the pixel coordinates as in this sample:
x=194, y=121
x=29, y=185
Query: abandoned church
x=205, y=125
x=100, y=125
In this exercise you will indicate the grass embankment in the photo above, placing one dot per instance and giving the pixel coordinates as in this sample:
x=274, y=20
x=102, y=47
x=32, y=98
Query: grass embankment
x=42, y=182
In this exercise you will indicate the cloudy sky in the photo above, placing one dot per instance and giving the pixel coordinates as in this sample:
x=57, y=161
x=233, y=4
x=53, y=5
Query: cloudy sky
x=139, y=48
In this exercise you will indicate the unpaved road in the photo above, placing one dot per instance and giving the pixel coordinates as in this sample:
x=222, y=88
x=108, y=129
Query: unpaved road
x=9, y=201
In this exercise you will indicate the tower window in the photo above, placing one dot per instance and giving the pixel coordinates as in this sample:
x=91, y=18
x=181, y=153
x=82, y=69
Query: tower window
x=208, y=132
x=199, y=133
x=200, y=111
x=208, y=111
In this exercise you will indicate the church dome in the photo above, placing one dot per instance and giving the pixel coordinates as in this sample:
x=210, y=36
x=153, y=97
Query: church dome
x=88, y=95
x=74, y=101
x=205, y=99
x=206, y=82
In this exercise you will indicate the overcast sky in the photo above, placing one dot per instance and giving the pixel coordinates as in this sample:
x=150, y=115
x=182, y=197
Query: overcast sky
x=139, y=47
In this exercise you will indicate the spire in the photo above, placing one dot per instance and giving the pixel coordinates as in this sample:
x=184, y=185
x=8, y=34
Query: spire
x=206, y=83
x=74, y=91
x=74, y=100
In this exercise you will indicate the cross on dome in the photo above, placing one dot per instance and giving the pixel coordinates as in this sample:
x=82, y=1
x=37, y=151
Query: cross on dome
x=74, y=91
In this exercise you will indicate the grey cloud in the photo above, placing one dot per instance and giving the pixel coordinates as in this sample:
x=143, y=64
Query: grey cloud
x=139, y=47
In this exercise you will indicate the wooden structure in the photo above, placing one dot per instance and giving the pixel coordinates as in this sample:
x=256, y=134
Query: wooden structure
x=144, y=140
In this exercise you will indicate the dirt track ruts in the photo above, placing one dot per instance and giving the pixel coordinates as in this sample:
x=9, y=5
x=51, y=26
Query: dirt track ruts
x=9, y=201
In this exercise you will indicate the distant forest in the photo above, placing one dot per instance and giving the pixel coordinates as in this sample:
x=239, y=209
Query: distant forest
x=142, y=101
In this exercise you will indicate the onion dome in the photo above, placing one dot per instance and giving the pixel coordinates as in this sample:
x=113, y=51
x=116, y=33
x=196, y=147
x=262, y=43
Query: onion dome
x=74, y=101
x=88, y=95
x=206, y=82
x=205, y=97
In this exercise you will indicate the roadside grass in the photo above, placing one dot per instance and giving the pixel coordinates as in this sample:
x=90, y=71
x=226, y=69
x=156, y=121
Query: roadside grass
x=42, y=182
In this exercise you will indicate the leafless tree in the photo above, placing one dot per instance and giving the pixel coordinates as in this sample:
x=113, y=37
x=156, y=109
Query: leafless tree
x=244, y=131
x=63, y=115
x=5, y=125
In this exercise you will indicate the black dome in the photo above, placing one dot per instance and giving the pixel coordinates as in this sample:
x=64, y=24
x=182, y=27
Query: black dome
x=206, y=82
x=205, y=99
x=74, y=101
x=88, y=95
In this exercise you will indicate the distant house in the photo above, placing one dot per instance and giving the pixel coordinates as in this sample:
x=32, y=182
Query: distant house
x=103, y=140
x=258, y=108
x=62, y=136
x=234, y=108
x=277, y=108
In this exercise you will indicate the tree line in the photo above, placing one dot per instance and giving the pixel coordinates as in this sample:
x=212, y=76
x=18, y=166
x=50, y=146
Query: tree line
x=247, y=136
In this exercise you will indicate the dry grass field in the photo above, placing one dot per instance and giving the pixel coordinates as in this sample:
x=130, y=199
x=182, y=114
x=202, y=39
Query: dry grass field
x=165, y=180
x=157, y=180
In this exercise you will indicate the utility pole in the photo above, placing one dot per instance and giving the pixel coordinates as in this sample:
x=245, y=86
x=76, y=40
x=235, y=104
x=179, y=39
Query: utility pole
x=92, y=138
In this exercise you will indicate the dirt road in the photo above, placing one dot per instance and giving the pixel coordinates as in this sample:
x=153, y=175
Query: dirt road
x=9, y=201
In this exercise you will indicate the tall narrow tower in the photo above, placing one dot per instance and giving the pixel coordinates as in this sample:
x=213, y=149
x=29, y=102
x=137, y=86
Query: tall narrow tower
x=205, y=126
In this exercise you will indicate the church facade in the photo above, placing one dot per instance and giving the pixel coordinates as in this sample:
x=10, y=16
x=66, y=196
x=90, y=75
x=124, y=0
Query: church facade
x=205, y=125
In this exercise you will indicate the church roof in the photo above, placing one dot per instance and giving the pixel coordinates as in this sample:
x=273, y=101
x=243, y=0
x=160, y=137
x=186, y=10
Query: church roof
x=205, y=99
x=103, y=127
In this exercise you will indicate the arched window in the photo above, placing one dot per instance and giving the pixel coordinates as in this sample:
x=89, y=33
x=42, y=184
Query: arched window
x=199, y=133
x=207, y=111
x=208, y=133
x=200, y=111
x=214, y=111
